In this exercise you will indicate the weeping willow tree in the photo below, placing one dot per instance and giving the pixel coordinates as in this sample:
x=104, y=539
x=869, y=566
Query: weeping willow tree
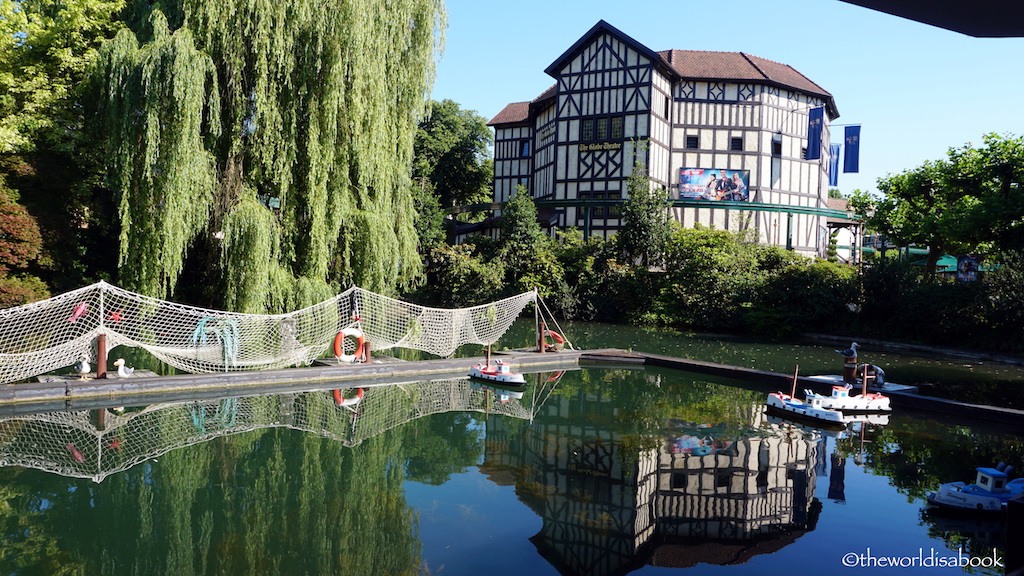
x=275, y=136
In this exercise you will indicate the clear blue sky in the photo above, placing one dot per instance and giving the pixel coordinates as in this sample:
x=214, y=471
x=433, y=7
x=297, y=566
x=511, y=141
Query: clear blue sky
x=916, y=90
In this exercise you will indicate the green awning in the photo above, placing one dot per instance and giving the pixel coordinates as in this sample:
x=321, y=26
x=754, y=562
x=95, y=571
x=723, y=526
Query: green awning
x=946, y=263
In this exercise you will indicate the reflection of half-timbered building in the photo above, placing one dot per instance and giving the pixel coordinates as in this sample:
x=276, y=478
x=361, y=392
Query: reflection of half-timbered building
x=697, y=114
x=610, y=506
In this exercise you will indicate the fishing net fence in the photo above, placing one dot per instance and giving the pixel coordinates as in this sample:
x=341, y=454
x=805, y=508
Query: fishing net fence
x=50, y=334
x=96, y=443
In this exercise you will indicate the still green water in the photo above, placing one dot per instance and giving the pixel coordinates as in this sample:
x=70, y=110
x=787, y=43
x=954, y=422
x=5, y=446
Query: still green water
x=590, y=472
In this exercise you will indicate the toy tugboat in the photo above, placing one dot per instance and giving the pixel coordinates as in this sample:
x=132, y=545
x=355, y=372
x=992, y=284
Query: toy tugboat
x=990, y=492
x=841, y=400
x=497, y=372
x=812, y=409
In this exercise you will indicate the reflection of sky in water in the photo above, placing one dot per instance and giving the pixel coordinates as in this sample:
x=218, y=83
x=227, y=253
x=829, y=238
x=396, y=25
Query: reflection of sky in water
x=470, y=523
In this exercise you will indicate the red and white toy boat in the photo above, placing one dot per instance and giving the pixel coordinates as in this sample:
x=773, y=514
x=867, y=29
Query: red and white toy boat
x=497, y=372
x=841, y=400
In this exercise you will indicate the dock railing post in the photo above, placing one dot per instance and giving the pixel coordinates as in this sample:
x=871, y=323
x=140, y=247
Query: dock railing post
x=541, y=340
x=850, y=370
x=101, y=356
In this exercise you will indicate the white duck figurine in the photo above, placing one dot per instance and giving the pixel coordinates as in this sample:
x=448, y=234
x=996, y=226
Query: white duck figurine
x=82, y=366
x=122, y=370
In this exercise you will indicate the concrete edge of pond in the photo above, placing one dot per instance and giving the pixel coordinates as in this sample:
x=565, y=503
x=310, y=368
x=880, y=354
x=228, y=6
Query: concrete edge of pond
x=27, y=398
x=900, y=399
x=75, y=393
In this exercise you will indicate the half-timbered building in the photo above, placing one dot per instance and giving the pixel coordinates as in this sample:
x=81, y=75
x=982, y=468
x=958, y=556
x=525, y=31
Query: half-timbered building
x=686, y=116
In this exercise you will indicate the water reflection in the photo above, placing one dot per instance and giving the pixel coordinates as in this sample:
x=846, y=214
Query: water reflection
x=97, y=443
x=624, y=470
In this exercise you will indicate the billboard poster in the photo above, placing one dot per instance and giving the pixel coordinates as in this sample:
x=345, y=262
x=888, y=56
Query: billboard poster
x=967, y=269
x=714, y=184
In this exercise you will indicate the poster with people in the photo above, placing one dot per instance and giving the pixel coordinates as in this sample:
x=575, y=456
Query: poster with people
x=716, y=184
x=967, y=269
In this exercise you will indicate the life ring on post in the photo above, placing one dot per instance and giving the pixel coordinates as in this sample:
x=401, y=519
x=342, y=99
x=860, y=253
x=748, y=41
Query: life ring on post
x=559, y=340
x=340, y=399
x=339, y=345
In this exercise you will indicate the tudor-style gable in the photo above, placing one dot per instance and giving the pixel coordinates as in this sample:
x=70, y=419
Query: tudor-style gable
x=698, y=113
x=603, y=104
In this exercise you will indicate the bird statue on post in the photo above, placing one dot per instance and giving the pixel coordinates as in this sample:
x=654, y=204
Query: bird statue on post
x=850, y=353
x=82, y=367
x=122, y=370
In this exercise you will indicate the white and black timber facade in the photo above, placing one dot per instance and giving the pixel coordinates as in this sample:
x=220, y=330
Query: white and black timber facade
x=575, y=145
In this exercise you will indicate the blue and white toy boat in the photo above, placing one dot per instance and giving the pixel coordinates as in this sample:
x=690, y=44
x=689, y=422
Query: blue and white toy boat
x=990, y=492
x=812, y=409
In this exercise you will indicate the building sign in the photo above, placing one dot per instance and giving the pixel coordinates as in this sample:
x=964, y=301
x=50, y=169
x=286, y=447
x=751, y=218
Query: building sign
x=714, y=184
x=600, y=146
x=967, y=269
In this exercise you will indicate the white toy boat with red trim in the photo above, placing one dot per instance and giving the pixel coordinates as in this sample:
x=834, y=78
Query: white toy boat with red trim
x=497, y=371
x=841, y=400
x=812, y=409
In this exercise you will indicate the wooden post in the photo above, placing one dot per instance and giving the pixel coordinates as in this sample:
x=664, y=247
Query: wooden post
x=792, y=391
x=100, y=418
x=850, y=370
x=541, y=340
x=864, y=381
x=367, y=358
x=101, y=356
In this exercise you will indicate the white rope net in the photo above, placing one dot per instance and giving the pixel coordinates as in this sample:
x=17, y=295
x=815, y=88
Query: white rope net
x=54, y=333
x=97, y=443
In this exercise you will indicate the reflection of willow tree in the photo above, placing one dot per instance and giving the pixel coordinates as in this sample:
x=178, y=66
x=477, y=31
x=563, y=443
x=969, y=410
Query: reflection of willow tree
x=25, y=541
x=263, y=502
x=916, y=460
x=441, y=446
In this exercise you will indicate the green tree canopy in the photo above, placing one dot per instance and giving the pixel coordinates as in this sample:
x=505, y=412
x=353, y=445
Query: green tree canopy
x=452, y=151
x=45, y=47
x=270, y=142
x=971, y=201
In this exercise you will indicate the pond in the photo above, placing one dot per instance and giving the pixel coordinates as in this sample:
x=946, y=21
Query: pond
x=589, y=472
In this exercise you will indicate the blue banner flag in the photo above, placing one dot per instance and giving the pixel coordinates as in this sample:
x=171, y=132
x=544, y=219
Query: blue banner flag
x=815, y=123
x=833, y=164
x=851, y=160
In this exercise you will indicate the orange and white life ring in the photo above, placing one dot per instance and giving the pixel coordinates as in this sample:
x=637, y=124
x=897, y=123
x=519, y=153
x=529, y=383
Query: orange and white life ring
x=339, y=345
x=340, y=399
x=554, y=336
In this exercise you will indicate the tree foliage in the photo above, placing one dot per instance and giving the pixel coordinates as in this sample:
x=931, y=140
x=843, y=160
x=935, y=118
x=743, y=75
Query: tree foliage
x=452, y=151
x=45, y=48
x=970, y=201
x=20, y=240
x=308, y=108
x=646, y=221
